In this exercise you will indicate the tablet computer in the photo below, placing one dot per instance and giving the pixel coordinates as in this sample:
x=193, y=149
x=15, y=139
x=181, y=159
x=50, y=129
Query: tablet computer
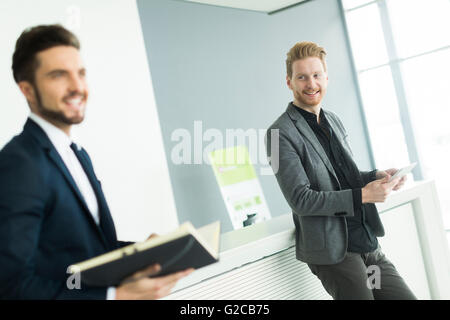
x=403, y=171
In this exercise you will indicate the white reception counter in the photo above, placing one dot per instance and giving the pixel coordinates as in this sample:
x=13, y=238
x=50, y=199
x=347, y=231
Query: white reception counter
x=258, y=262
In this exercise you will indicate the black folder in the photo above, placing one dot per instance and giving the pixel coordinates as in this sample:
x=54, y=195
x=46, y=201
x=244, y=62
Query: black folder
x=184, y=248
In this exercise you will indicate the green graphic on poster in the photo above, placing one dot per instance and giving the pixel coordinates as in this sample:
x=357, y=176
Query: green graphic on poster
x=239, y=186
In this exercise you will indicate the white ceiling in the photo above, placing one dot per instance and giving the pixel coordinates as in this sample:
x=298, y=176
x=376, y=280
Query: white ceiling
x=255, y=5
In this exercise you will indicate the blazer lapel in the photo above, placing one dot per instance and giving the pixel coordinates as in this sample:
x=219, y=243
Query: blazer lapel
x=106, y=222
x=306, y=132
x=355, y=180
x=54, y=156
x=337, y=129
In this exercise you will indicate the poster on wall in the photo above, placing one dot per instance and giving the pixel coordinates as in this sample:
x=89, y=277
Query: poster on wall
x=239, y=186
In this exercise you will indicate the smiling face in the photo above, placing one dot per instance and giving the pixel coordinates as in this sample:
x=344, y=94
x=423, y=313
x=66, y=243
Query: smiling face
x=59, y=91
x=308, y=83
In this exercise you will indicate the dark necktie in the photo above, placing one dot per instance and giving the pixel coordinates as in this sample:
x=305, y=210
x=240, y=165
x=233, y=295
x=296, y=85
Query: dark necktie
x=106, y=223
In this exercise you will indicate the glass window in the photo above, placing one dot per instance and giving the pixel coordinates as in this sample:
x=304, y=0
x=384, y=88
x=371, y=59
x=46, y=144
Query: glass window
x=419, y=25
x=366, y=35
x=421, y=38
x=350, y=4
x=427, y=86
x=383, y=118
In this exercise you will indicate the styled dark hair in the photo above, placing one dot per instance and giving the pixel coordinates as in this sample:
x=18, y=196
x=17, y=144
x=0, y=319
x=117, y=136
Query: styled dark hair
x=34, y=40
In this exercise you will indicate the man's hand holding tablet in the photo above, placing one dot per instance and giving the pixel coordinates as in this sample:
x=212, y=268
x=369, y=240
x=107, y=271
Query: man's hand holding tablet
x=386, y=181
x=395, y=173
x=403, y=171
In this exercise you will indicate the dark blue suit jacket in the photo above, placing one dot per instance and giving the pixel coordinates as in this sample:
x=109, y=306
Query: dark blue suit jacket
x=45, y=224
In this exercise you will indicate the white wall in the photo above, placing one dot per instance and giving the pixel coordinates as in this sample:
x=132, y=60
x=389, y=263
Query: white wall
x=121, y=131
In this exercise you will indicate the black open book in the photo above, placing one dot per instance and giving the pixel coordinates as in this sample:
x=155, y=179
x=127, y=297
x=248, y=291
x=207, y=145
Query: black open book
x=184, y=248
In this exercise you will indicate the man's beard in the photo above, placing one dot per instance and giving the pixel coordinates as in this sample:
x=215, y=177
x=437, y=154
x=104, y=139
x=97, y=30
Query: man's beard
x=57, y=116
x=304, y=102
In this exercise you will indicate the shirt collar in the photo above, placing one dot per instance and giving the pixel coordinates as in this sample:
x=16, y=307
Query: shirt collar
x=58, y=137
x=309, y=116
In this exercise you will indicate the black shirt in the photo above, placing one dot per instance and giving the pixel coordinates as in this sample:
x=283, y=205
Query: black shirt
x=360, y=236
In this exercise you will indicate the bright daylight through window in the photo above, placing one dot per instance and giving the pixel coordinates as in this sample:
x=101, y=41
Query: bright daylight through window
x=401, y=51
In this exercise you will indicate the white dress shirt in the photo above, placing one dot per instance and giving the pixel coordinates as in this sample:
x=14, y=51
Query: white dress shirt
x=61, y=141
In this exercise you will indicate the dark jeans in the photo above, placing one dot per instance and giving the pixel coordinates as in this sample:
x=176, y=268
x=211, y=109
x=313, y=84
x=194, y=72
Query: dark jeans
x=369, y=276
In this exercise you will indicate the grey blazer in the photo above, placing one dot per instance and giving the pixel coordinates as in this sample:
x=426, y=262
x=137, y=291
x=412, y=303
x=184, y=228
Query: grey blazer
x=309, y=184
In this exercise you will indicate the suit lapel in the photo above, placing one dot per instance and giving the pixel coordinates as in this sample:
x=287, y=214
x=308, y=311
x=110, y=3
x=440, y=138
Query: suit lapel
x=306, y=132
x=54, y=156
x=339, y=133
x=106, y=222
x=354, y=180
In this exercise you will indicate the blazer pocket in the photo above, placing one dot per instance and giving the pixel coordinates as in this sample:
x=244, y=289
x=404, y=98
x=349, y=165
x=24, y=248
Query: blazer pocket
x=312, y=233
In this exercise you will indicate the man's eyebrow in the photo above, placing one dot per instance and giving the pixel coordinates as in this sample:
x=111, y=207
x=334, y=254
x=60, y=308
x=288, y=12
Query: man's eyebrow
x=56, y=71
x=303, y=73
x=53, y=72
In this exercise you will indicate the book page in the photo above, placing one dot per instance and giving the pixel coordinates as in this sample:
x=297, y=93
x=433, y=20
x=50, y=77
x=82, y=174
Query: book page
x=211, y=235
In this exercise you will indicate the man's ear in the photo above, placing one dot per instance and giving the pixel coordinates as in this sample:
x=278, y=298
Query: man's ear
x=288, y=82
x=28, y=91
